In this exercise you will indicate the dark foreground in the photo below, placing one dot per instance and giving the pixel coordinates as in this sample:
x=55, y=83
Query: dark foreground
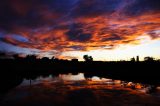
x=14, y=72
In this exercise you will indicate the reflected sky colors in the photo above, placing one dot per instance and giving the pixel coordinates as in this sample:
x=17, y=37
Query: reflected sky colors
x=105, y=29
x=68, y=89
x=70, y=77
x=80, y=80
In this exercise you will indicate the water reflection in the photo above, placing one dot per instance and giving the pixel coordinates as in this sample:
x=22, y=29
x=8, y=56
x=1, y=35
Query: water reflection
x=80, y=78
x=69, y=89
x=70, y=77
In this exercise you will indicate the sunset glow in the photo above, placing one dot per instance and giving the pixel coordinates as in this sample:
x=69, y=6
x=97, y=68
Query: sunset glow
x=108, y=30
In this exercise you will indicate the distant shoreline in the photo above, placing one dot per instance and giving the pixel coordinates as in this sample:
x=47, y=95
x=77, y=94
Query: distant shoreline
x=146, y=72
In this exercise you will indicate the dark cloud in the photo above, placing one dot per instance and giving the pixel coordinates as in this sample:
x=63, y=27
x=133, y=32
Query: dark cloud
x=76, y=33
x=139, y=7
x=154, y=34
x=113, y=37
x=95, y=8
x=31, y=13
x=37, y=13
x=77, y=47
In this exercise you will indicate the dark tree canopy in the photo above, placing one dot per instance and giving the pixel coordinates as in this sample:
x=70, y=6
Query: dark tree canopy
x=87, y=58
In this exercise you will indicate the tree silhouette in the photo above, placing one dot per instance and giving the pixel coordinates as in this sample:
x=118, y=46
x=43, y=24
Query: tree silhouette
x=45, y=59
x=87, y=58
x=148, y=59
x=31, y=57
x=2, y=55
x=16, y=56
x=133, y=59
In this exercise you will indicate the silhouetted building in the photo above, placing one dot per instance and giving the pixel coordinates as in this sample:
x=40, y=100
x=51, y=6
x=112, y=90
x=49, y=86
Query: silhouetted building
x=137, y=59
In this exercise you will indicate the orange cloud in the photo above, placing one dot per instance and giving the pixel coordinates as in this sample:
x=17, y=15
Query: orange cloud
x=104, y=31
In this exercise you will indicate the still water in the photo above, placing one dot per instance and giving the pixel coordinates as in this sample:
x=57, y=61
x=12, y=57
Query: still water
x=69, y=89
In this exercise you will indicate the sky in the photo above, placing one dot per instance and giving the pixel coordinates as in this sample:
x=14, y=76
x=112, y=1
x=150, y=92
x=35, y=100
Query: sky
x=105, y=29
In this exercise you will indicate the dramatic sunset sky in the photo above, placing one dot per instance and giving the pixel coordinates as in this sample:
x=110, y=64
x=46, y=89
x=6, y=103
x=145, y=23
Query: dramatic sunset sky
x=104, y=29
